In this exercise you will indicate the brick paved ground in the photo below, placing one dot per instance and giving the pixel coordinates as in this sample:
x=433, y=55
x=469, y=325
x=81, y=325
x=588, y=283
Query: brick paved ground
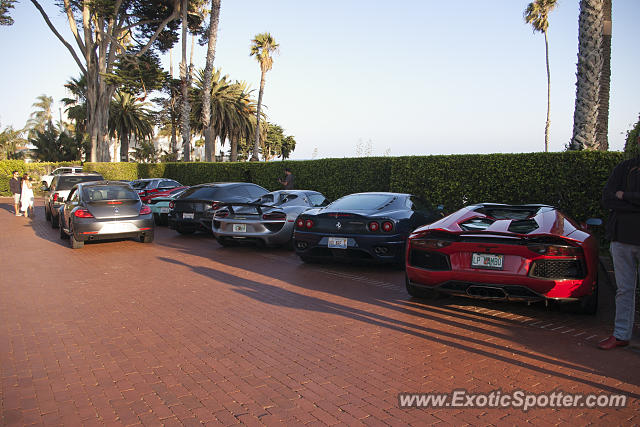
x=184, y=332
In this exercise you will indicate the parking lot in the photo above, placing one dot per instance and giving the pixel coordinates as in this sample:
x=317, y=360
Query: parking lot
x=184, y=332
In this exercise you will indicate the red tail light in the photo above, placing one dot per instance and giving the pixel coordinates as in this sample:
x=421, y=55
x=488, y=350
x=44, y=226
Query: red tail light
x=275, y=216
x=82, y=213
x=171, y=205
x=387, y=226
x=373, y=226
x=300, y=223
x=145, y=210
x=555, y=250
x=429, y=243
x=222, y=214
x=55, y=197
x=308, y=223
x=215, y=205
x=114, y=203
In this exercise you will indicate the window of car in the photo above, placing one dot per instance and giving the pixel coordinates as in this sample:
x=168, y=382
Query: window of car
x=254, y=191
x=168, y=183
x=363, y=202
x=140, y=184
x=66, y=182
x=317, y=199
x=73, y=196
x=109, y=192
x=203, y=193
x=417, y=204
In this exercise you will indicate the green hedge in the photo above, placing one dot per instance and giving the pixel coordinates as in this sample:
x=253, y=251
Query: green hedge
x=35, y=170
x=572, y=181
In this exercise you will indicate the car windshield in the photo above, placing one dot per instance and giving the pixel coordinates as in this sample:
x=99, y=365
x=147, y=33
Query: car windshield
x=362, y=202
x=109, y=192
x=140, y=185
x=67, y=182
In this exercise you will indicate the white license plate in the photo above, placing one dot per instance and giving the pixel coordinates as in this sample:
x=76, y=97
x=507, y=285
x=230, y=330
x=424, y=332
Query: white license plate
x=239, y=228
x=338, y=242
x=187, y=215
x=164, y=210
x=487, y=261
x=117, y=227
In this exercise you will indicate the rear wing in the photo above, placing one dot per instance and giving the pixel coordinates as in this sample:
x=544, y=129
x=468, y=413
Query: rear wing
x=259, y=207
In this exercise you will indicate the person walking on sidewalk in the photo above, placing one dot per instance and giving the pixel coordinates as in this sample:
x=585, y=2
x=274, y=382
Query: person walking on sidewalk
x=16, y=188
x=621, y=196
x=26, y=197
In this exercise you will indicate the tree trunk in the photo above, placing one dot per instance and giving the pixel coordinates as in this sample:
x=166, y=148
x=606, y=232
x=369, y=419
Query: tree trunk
x=185, y=74
x=124, y=148
x=602, y=128
x=209, y=138
x=234, y=149
x=588, y=75
x=255, y=157
x=546, y=127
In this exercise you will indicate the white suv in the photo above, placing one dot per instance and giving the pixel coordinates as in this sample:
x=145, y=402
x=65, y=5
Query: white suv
x=46, y=179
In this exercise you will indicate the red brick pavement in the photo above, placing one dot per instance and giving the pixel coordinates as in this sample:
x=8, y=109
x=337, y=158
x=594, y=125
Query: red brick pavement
x=184, y=332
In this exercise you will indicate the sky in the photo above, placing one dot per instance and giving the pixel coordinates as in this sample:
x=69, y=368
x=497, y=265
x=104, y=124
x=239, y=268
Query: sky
x=384, y=78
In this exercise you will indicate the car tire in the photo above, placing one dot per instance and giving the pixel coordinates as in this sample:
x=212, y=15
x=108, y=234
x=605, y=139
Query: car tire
x=47, y=214
x=308, y=259
x=419, y=292
x=587, y=305
x=63, y=235
x=54, y=222
x=75, y=244
x=147, y=237
x=156, y=219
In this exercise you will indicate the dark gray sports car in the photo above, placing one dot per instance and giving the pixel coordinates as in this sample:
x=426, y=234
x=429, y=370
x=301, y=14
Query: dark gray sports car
x=104, y=210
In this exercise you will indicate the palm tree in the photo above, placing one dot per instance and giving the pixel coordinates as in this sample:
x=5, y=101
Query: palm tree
x=602, y=127
x=76, y=109
x=127, y=117
x=38, y=119
x=10, y=141
x=589, y=68
x=537, y=14
x=209, y=140
x=185, y=78
x=262, y=46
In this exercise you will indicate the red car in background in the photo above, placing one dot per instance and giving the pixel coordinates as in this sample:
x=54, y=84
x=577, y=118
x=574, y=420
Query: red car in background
x=147, y=187
x=505, y=252
x=162, y=193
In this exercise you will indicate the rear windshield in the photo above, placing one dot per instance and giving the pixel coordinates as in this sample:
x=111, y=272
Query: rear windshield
x=109, y=192
x=362, y=202
x=203, y=193
x=140, y=185
x=65, y=182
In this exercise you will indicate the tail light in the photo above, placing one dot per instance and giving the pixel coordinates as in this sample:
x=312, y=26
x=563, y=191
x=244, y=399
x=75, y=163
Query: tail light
x=429, y=243
x=171, y=205
x=308, y=223
x=55, y=197
x=215, y=205
x=555, y=250
x=82, y=213
x=373, y=226
x=221, y=214
x=274, y=216
x=387, y=226
x=300, y=223
x=145, y=210
x=114, y=203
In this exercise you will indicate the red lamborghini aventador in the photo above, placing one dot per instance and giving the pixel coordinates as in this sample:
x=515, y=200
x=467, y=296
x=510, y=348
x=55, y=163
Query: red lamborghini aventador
x=505, y=252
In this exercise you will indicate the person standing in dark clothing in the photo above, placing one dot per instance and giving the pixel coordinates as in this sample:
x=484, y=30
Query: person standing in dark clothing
x=621, y=196
x=287, y=182
x=16, y=188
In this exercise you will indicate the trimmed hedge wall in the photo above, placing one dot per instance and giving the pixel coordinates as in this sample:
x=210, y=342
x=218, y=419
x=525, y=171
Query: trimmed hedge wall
x=572, y=181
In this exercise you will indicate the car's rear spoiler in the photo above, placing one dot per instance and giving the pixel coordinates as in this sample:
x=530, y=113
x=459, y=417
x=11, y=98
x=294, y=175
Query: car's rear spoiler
x=231, y=205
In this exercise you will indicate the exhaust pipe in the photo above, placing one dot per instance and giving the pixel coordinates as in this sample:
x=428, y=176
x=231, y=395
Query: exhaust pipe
x=301, y=245
x=487, y=292
x=381, y=250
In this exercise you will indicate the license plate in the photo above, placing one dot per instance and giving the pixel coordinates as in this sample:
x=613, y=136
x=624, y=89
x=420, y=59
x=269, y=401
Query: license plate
x=487, y=261
x=338, y=242
x=239, y=228
x=187, y=215
x=164, y=210
x=117, y=227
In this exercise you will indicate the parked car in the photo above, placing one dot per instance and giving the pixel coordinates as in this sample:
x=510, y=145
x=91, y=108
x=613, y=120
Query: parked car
x=193, y=210
x=104, y=210
x=505, y=252
x=59, y=189
x=148, y=186
x=47, y=179
x=362, y=226
x=268, y=220
x=162, y=193
x=160, y=205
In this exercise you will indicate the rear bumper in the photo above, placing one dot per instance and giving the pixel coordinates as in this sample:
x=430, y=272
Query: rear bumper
x=195, y=224
x=376, y=248
x=84, y=230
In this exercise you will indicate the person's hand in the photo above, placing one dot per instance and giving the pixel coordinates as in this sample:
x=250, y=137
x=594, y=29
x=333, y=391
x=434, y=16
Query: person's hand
x=619, y=194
